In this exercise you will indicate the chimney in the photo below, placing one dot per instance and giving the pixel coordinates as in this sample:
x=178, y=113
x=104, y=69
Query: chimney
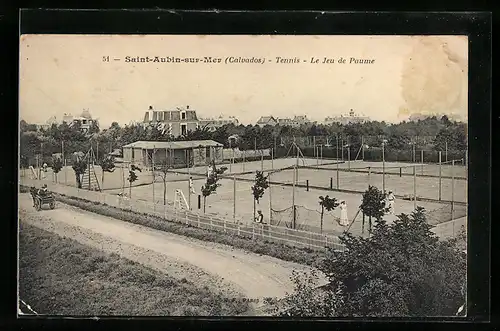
x=150, y=107
x=187, y=107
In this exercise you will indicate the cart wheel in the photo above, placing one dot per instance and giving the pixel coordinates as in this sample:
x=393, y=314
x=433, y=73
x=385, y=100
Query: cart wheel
x=52, y=205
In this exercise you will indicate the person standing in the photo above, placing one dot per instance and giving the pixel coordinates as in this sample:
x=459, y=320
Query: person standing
x=390, y=200
x=344, y=221
x=191, y=186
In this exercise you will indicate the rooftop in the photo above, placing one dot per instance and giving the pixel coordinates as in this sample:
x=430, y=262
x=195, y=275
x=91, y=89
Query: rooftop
x=173, y=144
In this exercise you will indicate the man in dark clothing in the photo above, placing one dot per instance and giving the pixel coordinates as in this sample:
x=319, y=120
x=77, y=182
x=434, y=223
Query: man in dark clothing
x=260, y=217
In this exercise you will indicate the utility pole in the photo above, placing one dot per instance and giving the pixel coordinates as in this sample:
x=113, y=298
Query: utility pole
x=362, y=148
x=414, y=187
x=337, y=143
x=383, y=166
x=270, y=201
x=153, y=173
x=439, y=175
x=234, y=198
x=348, y=157
x=64, y=162
x=452, y=187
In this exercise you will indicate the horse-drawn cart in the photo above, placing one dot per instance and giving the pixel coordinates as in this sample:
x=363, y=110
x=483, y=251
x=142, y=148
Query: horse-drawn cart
x=40, y=199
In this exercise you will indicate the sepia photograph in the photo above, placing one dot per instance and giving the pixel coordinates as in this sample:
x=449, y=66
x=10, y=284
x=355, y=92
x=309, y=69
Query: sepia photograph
x=243, y=175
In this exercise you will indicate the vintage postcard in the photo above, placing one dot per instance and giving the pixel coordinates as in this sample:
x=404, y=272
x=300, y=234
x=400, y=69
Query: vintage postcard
x=243, y=175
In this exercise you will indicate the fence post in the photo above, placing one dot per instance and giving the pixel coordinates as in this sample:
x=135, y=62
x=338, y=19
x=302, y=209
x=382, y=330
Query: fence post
x=224, y=225
x=253, y=231
x=211, y=224
x=307, y=185
x=400, y=171
x=239, y=229
x=326, y=241
x=369, y=175
x=422, y=160
x=414, y=187
x=198, y=219
x=439, y=153
x=331, y=183
x=187, y=218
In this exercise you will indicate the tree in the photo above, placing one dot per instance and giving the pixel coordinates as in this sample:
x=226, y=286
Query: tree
x=327, y=203
x=132, y=177
x=306, y=300
x=57, y=165
x=212, y=183
x=372, y=205
x=163, y=170
x=79, y=166
x=107, y=165
x=260, y=185
x=403, y=269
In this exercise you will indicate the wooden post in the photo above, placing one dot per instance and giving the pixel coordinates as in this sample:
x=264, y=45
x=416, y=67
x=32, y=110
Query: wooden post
x=452, y=188
x=331, y=183
x=414, y=187
x=446, y=151
x=363, y=148
x=439, y=188
x=234, y=198
x=199, y=201
x=338, y=186
x=307, y=185
x=270, y=200
x=383, y=167
x=272, y=157
x=422, y=160
x=369, y=175
x=337, y=143
x=198, y=219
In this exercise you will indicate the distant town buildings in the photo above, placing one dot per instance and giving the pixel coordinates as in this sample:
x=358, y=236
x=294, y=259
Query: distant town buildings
x=180, y=121
x=297, y=121
x=452, y=117
x=351, y=117
x=85, y=120
x=213, y=124
x=267, y=120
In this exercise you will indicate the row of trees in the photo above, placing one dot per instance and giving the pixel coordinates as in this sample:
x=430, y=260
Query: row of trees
x=444, y=135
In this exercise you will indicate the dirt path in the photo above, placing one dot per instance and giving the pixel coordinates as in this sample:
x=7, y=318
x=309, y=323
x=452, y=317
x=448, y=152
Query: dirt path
x=218, y=266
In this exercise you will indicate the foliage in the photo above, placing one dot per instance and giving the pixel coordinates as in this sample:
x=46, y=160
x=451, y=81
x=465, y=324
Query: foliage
x=79, y=167
x=57, y=165
x=132, y=177
x=373, y=203
x=327, y=203
x=260, y=185
x=398, y=135
x=403, y=269
x=107, y=165
x=306, y=300
x=212, y=183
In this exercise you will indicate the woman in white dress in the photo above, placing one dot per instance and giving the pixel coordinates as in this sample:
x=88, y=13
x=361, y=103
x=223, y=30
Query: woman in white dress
x=344, y=221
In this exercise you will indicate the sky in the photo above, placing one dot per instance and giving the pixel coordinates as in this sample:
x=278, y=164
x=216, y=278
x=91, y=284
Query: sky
x=409, y=75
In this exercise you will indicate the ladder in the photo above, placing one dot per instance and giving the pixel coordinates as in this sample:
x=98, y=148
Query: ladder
x=89, y=178
x=180, y=200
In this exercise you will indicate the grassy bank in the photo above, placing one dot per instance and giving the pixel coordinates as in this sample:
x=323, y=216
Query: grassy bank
x=59, y=276
x=259, y=246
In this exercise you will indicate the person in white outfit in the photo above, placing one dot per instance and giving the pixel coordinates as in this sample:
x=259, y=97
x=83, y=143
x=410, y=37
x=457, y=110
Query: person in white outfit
x=344, y=221
x=390, y=200
x=191, y=186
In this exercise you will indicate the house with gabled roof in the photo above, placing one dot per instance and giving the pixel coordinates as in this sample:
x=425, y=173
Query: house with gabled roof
x=267, y=120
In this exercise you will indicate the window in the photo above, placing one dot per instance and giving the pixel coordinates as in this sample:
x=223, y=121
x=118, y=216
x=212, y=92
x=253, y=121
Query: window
x=133, y=154
x=183, y=129
x=183, y=115
x=84, y=121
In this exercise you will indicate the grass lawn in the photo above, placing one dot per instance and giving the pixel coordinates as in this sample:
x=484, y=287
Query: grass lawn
x=59, y=276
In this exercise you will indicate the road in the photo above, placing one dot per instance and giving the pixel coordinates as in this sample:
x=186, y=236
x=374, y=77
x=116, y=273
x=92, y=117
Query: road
x=232, y=271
